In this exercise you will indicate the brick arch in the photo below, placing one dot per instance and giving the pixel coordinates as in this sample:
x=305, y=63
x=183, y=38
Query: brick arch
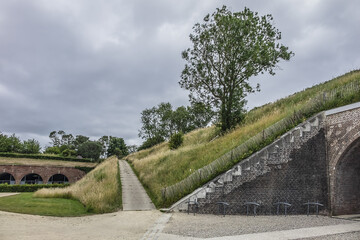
x=19, y=171
x=346, y=181
x=348, y=139
x=58, y=174
x=11, y=176
x=42, y=178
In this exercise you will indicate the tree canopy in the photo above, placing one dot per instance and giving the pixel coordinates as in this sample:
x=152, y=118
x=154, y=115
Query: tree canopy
x=228, y=49
x=14, y=144
x=161, y=122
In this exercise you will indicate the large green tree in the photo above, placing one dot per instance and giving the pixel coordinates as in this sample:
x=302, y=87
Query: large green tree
x=31, y=146
x=228, y=49
x=90, y=149
x=117, y=147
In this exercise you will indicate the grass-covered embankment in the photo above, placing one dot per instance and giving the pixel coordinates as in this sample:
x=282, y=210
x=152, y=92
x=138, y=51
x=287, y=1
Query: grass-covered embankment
x=26, y=203
x=160, y=167
x=99, y=191
x=43, y=162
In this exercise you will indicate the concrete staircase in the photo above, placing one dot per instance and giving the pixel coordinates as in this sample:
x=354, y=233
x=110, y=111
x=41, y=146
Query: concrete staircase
x=268, y=159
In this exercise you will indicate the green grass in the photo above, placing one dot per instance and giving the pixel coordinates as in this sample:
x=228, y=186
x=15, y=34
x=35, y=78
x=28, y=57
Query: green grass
x=160, y=167
x=26, y=203
x=99, y=191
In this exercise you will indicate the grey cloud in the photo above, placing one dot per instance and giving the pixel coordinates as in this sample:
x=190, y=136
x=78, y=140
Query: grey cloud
x=90, y=67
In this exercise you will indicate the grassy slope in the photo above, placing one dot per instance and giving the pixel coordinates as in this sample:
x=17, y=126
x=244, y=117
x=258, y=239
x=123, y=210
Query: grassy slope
x=38, y=162
x=99, y=191
x=160, y=167
x=26, y=203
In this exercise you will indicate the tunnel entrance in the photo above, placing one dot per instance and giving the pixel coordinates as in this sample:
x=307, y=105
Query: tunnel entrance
x=347, y=181
x=7, y=178
x=58, y=178
x=32, y=178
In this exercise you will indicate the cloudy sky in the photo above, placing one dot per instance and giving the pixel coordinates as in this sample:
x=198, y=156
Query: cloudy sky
x=90, y=66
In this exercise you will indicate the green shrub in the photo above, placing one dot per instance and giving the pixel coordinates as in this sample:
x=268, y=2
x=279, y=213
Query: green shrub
x=28, y=187
x=85, y=169
x=68, y=153
x=150, y=142
x=176, y=140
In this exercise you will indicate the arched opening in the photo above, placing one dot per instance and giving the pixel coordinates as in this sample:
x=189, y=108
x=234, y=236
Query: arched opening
x=32, y=178
x=58, y=178
x=347, y=181
x=7, y=178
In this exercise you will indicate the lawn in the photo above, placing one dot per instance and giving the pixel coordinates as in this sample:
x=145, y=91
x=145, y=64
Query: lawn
x=99, y=191
x=28, y=204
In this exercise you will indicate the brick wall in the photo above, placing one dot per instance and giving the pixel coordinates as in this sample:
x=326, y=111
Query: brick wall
x=45, y=172
x=302, y=179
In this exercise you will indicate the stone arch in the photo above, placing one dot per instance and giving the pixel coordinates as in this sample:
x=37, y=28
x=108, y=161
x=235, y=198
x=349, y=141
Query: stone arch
x=349, y=138
x=346, y=179
x=7, y=178
x=58, y=178
x=31, y=178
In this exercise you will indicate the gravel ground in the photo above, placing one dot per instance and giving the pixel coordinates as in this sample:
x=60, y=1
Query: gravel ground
x=205, y=226
x=125, y=225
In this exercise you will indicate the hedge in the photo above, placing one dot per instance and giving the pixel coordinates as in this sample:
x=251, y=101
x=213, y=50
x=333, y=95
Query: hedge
x=85, y=169
x=28, y=187
x=43, y=157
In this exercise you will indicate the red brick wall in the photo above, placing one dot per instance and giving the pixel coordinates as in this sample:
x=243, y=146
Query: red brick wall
x=45, y=172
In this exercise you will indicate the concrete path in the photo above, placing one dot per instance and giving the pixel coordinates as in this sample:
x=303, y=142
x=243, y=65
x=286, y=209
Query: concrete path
x=7, y=194
x=134, y=196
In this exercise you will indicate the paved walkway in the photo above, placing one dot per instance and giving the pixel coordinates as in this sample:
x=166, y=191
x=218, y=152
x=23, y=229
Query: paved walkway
x=323, y=232
x=134, y=196
x=183, y=226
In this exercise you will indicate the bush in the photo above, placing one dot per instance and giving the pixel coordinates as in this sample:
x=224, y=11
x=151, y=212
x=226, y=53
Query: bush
x=68, y=153
x=176, y=140
x=28, y=187
x=85, y=169
x=150, y=142
x=52, y=150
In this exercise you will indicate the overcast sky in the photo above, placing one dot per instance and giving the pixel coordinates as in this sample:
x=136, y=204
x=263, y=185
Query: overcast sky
x=90, y=67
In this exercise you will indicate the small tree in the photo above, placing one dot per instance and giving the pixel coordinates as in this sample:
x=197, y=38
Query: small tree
x=132, y=148
x=150, y=142
x=80, y=139
x=90, y=149
x=52, y=150
x=229, y=48
x=117, y=147
x=31, y=146
x=176, y=140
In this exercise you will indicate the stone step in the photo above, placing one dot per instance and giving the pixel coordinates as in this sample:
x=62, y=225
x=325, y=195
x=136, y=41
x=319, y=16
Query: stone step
x=270, y=157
